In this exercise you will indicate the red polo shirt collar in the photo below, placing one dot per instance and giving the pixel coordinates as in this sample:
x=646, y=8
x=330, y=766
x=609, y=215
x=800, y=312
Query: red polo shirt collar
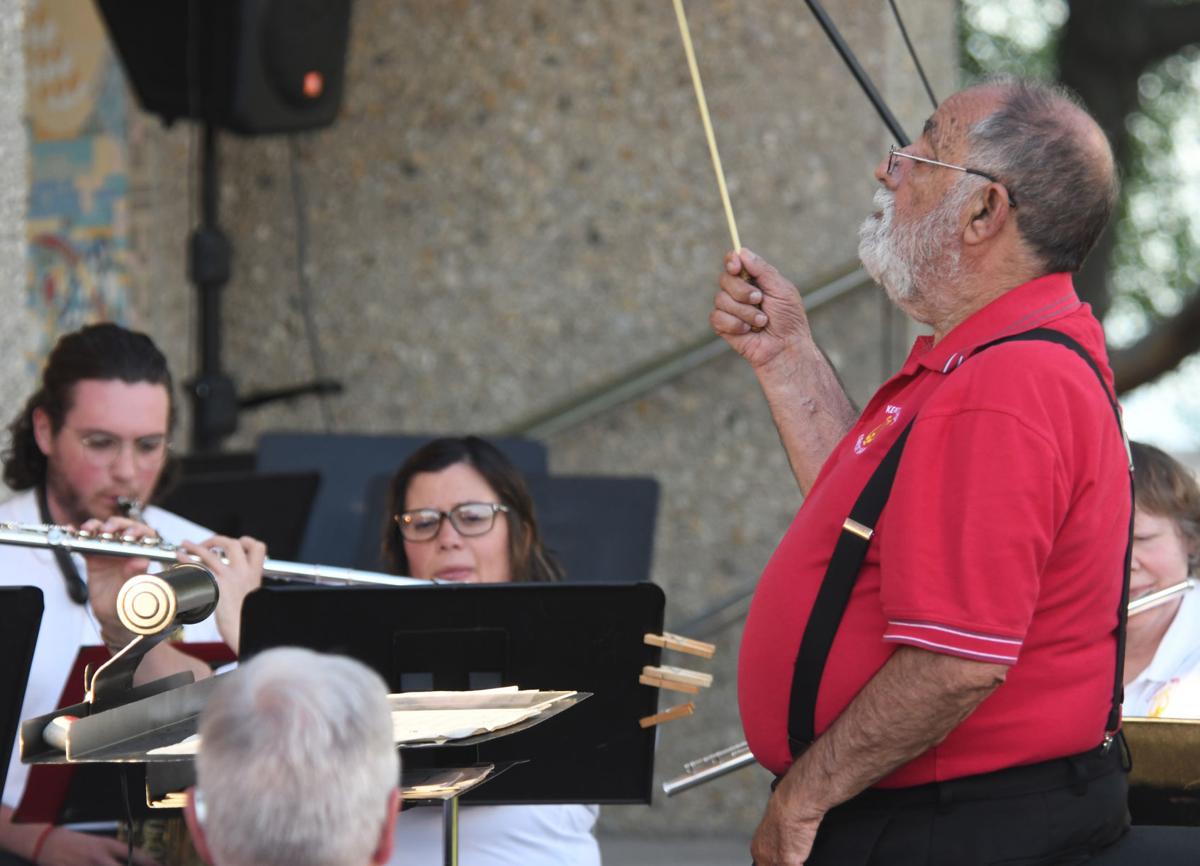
x=1030, y=305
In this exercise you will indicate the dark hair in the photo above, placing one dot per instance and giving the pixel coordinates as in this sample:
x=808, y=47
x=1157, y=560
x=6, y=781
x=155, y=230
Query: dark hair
x=1037, y=144
x=528, y=559
x=1165, y=487
x=104, y=352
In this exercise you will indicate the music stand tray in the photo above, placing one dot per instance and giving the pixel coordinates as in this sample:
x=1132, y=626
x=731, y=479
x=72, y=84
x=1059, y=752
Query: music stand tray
x=135, y=733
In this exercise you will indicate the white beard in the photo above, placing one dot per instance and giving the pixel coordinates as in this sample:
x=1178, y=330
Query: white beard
x=909, y=262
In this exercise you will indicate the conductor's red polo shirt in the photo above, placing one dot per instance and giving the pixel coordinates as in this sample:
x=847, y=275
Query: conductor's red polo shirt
x=1003, y=540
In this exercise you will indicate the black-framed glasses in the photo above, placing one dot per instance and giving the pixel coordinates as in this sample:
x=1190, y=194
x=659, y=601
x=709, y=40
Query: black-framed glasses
x=894, y=152
x=469, y=518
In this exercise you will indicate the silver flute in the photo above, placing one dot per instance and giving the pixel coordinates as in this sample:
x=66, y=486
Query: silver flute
x=735, y=757
x=1152, y=600
x=710, y=767
x=154, y=548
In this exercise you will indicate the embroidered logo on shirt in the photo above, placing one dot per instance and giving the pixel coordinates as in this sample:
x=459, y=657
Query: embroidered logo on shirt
x=891, y=417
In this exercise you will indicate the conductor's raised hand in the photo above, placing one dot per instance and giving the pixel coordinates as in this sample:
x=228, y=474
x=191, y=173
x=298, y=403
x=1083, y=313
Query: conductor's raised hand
x=237, y=565
x=761, y=320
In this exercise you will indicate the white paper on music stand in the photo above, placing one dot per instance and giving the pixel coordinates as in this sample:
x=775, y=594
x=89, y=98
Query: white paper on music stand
x=439, y=717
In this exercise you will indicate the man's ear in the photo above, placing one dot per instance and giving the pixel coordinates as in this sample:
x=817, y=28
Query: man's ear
x=195, y=828
x=387, y=833
x=43, y=431
x=989, y=215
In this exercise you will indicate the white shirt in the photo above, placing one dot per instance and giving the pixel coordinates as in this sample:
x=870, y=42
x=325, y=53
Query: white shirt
x=1169, y=687
x=544, y=835
x=66, y=626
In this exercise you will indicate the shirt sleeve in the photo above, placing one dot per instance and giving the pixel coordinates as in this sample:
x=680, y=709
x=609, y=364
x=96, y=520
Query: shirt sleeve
x=967, y=533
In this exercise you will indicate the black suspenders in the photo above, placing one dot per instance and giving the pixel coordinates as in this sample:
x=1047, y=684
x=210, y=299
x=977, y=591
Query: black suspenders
x=851, y=548
x=834, y=596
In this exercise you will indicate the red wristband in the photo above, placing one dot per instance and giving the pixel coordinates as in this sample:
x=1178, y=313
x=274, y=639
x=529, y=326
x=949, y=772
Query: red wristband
x=41, y=840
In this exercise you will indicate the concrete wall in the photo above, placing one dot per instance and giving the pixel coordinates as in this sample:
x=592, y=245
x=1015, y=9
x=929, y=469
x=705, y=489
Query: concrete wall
x=17, y=327
x=517, y=204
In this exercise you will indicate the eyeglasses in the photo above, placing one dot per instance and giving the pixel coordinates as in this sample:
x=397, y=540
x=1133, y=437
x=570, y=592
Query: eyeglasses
x=102, y=450
x=894, y=152
x=469, y=518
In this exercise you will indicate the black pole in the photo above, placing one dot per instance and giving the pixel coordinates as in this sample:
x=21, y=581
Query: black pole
x=860, y=74
x=214, y=399
x=207, y=269
x=215, y=402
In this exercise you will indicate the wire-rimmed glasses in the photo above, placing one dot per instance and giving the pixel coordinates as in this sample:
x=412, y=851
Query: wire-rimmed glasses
x=894, y=152
x=102, y=449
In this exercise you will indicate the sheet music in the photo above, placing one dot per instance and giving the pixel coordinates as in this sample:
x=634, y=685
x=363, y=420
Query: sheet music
x=439, y=717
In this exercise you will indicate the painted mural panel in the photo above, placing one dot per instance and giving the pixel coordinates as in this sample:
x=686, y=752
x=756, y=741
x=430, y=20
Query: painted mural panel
x=78, y=269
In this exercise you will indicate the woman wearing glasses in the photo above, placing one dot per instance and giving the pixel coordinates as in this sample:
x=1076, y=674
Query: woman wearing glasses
x=460, y=511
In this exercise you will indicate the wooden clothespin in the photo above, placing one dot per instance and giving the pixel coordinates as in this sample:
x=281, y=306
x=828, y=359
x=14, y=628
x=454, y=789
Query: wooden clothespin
x=670, y=641
x=668, y=715
x=660, y=683
x=675, y=678
x=681, y=679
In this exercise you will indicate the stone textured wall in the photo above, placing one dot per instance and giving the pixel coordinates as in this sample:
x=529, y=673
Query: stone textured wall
x=17, y=328
x=516, y=204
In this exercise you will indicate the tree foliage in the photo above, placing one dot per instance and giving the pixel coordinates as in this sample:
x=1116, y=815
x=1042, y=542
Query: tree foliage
x=1136, y=65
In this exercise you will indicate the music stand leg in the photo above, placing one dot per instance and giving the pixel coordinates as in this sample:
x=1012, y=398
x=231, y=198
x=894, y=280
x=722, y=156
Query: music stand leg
x=450, y=832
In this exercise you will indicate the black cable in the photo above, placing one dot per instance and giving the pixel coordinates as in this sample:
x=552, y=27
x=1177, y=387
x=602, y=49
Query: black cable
x=304, y=289
x=860, y=74
x=912, y=52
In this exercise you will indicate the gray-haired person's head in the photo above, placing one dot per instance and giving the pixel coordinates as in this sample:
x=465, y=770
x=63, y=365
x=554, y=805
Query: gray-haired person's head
x=297, y=763
x=1055, y=161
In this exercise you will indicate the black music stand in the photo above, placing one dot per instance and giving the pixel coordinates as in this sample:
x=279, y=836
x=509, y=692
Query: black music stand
x=271, y=506
x=600, y=527
x=20, y=618
x=584, y=637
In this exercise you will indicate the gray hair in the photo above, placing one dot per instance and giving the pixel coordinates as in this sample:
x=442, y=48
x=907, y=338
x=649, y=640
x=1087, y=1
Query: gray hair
x=296, y=761
x=1065, y=185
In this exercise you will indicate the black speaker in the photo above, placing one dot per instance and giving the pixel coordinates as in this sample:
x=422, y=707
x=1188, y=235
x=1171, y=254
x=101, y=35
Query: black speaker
x=250, y=66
